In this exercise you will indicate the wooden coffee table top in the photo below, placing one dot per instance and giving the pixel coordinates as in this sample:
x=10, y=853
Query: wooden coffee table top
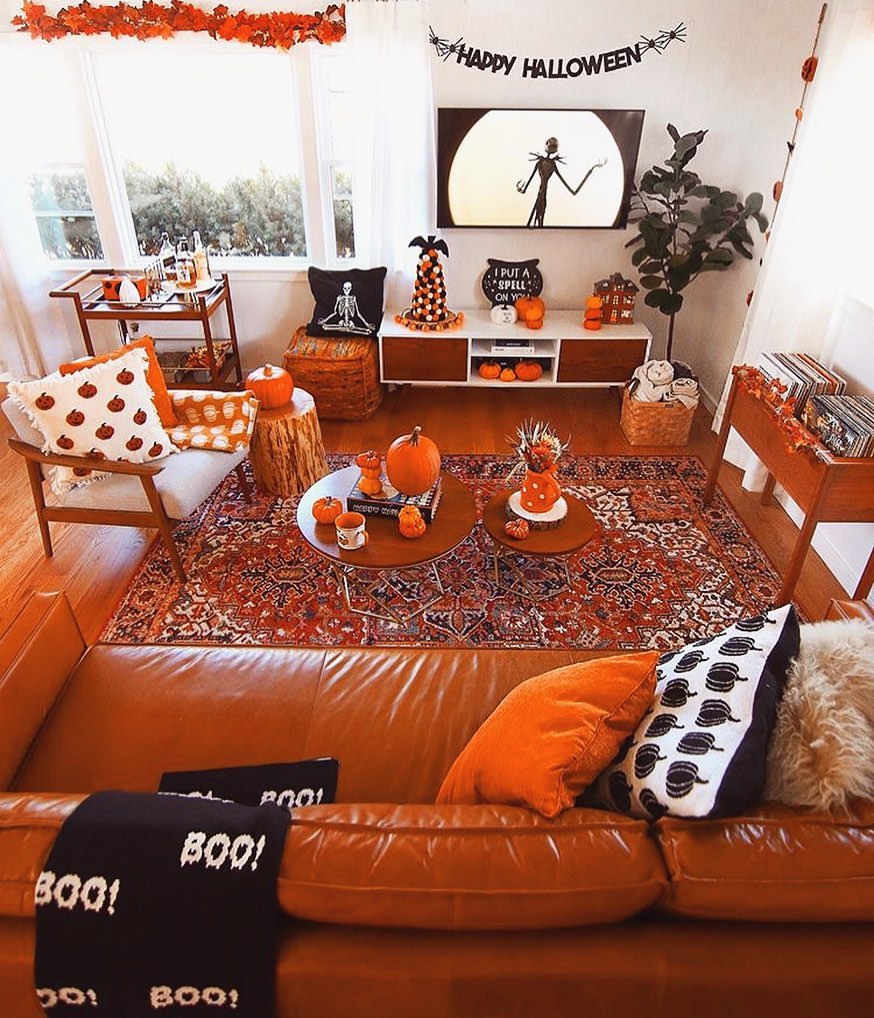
x=386, y=549
x=575, y=531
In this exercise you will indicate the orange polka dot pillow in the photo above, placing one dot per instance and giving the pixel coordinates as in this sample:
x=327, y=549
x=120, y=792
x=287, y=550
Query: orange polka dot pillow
x=104, y=411
x=213, y=420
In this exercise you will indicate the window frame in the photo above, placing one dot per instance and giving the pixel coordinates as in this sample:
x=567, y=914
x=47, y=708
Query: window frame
x=103, y=169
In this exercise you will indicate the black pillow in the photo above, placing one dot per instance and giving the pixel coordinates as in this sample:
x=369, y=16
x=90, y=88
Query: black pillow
x=349, y=302
x=302, y=783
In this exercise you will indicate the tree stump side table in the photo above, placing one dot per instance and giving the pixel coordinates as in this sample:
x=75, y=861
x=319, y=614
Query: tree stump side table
x=286, y=450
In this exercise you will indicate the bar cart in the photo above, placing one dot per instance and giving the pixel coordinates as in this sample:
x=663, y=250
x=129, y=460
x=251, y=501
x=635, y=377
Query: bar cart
x=216, y=366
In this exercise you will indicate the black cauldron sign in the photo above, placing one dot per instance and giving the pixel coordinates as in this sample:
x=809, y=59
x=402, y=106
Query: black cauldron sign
x=505, y=282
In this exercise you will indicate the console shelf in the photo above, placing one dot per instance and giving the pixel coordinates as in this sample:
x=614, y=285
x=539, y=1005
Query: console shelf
x=570, y=355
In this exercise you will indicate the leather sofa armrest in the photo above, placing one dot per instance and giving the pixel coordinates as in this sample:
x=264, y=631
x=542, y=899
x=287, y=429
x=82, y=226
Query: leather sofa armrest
x=38, y=651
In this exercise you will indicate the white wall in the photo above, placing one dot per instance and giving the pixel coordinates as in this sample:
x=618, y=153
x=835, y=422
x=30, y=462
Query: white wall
x=737, y=75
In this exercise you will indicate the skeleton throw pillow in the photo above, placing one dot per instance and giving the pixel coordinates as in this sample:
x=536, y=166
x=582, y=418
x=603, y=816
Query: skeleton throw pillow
x=349, y=302
x=701, y=749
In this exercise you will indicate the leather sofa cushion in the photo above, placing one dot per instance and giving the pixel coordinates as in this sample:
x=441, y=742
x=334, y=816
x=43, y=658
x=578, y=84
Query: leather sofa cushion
x=778, y=864
x=431, y=867
x=466, y=867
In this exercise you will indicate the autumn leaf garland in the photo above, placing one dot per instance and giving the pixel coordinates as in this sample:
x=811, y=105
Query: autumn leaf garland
x=773, y=393
x=279, y=29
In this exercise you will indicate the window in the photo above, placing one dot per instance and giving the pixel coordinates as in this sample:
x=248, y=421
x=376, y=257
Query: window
x=207, y=142
x=128, y=141
x=49, y=149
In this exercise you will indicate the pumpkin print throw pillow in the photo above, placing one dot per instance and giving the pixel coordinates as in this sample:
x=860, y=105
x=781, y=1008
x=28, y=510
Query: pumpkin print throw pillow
x=701, y=748
x=104, y=411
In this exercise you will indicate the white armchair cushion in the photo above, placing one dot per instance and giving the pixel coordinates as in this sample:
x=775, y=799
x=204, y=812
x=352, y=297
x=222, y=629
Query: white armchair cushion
x=185, y=481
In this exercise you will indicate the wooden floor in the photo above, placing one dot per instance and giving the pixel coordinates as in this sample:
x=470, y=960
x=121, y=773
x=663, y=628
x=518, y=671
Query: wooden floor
x=95, y=564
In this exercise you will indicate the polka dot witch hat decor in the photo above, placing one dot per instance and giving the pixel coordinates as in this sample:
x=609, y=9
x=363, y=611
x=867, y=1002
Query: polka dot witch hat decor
x=539, y=501
x=427, y=310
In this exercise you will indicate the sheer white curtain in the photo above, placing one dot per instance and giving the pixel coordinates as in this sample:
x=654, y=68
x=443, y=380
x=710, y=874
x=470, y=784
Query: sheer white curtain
x=394, y=164
x=819, y=248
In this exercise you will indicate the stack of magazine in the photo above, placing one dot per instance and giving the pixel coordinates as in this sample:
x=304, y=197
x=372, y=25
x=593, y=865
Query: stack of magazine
x=390, y=501
x=802, y=375
x=844, y=424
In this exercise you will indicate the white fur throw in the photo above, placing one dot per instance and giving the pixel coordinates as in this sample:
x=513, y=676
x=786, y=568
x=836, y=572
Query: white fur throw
x=822, y=748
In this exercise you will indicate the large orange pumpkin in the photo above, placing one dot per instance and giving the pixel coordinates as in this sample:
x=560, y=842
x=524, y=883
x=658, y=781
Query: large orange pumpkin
x=412, y=463
x=489, y=369
x=273, y=387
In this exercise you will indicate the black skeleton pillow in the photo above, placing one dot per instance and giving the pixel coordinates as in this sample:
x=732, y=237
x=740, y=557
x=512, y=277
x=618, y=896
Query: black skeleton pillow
x=349, y=302
x=701, y=749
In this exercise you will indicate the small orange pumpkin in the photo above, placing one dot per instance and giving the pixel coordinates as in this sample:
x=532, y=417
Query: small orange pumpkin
x=369, y=461
x=489, y=369
x=531, y=311
x=507, y=375
x=517, y=529
x=369, y=485
x=273, y=387
x=327, y=509
x=410, y=522
x=529, y=371
x=412, y=462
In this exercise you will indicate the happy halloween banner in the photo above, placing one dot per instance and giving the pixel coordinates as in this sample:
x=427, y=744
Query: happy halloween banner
x=574, y=66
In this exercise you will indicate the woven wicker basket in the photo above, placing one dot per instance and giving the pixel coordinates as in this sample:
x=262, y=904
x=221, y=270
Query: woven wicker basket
x=342, y=374
x=655, y=423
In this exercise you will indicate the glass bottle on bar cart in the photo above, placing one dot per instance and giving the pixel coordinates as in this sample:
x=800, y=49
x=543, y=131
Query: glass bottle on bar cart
x=201, y=259
x=186, y=274
x=167, y=257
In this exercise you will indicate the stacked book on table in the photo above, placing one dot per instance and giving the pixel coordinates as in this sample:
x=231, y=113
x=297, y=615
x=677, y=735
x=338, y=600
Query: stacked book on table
x=844, y=424
x=802, y=375
x=391, y=501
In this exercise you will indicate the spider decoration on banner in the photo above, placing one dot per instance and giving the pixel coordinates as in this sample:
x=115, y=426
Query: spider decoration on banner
x=546, y=166
x=443, y=47
x=660, y=42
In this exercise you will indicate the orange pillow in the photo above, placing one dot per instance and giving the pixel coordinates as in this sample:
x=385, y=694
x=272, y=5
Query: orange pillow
x=551, y=736
x=154, y=375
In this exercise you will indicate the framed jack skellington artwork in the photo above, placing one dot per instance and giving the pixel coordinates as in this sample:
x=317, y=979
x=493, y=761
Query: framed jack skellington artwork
x=536, y=169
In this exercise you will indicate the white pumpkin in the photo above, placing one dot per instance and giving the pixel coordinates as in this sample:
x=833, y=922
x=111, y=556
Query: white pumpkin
x=503, y=314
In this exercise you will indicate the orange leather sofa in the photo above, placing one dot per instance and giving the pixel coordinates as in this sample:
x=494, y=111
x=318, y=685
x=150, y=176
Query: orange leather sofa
x=398, y=907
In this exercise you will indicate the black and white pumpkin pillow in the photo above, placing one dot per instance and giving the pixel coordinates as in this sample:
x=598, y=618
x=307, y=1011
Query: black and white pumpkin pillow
x=701, y=748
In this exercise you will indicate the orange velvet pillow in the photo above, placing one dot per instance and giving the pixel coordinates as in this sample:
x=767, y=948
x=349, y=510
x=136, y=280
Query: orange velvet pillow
x=551, y=736
x=154, y=375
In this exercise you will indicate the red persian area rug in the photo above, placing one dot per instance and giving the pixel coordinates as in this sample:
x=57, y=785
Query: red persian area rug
x=662, y=571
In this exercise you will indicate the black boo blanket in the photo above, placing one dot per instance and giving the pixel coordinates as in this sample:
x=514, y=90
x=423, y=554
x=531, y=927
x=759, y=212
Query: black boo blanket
x=157, y=904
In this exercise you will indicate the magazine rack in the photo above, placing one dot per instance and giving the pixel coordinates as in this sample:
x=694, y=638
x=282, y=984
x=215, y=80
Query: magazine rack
x=217, y=371
x=827, y=488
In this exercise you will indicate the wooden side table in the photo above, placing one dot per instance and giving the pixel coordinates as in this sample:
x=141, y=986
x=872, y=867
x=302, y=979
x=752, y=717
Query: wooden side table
x=827, y=488
x=556, y=544
x=286, y=451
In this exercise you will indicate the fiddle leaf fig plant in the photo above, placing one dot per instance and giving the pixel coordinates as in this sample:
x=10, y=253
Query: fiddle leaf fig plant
x=686, y=227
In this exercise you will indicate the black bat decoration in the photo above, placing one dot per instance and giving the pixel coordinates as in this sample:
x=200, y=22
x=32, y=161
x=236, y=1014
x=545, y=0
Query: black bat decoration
x=432, y=241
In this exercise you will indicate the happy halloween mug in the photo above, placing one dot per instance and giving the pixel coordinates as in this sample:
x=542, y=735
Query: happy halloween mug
x=350, y=531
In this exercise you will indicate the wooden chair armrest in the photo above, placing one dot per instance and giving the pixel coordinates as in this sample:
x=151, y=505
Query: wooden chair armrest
x=31, y=452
